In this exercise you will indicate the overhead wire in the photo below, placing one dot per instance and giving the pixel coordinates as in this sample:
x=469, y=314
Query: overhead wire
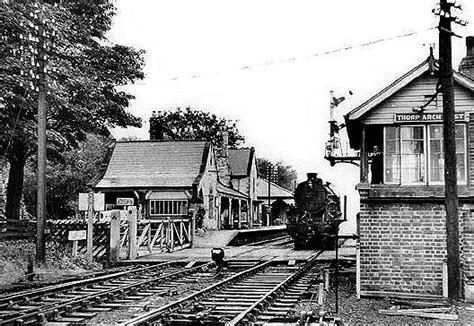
x=295, y=59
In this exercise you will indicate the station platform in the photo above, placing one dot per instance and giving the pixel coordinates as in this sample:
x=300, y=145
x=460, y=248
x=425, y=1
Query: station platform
x=211, y=239
x=222, y=239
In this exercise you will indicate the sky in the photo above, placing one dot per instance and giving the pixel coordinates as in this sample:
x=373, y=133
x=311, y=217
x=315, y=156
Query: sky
x=258, y=62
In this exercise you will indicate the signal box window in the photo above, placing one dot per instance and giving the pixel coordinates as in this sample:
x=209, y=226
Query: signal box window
x=392, y=155
x=436, y=168
x=414, y=152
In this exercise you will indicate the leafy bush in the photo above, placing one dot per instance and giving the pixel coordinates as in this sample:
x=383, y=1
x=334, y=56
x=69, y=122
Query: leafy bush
x=59, y=261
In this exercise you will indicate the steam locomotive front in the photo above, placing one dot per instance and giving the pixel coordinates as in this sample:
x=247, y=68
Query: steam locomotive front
x=317, y=214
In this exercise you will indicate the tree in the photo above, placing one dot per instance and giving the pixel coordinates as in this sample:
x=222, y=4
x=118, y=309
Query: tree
x=129, y=138
x=83, y=73
x=69, y=177
x=181, y=124
x=283, y=175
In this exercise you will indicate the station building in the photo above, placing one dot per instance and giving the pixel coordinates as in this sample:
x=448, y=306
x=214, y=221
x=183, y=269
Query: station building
x=160, y=178
x=166, y=178
x=402, y=212
x=243, y=178
x=280, y=199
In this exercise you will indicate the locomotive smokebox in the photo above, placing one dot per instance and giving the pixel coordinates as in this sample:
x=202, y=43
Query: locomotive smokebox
x=317, y=214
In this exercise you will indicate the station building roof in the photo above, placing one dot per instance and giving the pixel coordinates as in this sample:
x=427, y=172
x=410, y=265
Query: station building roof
x=149, y=164
x=230, y=192
x=240, y=161
x=276, y=191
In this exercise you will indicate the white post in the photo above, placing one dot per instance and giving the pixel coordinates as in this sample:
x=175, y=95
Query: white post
x=114, y=237
x=74, y=248
x=132, y=229
x=218, y=212
x=445, y=278
x=230, y=217
x=239, y=207
x=192, y=232
x=90, y=225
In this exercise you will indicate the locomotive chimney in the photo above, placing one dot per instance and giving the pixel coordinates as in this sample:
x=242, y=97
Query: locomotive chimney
x=466, y=67
x=312, y=175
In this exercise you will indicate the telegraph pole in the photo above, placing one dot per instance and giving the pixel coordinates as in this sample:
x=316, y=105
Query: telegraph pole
x=41, y=204
x=450, y=173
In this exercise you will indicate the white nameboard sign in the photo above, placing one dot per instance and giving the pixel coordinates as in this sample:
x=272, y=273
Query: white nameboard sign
x=83, y=201
x=99, y=202
x=77, y=235
x=125, y=201
x=427, y=117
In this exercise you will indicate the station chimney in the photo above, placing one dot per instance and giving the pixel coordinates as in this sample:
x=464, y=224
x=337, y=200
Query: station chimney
x=156, y=127
x=222, y=160
x=466, y=67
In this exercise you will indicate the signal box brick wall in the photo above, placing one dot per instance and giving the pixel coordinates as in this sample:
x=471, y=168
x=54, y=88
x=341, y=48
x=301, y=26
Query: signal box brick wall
x=403, y=246
x=467, y=243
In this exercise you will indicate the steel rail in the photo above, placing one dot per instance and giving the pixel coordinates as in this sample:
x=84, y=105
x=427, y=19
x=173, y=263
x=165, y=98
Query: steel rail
x=272, y=240
x=70, y=284
x=251, y=249
x=271, y=293
x=75, y=303
x=153, y=315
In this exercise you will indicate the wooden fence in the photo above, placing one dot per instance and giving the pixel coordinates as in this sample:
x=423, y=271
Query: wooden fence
x=164, y=235
x=57, y=230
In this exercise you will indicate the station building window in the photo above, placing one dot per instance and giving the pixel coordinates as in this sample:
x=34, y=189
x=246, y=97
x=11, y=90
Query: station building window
x=168, y=207
x=414, y=154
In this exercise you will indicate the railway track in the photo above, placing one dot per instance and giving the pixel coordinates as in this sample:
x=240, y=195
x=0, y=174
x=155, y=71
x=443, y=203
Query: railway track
x=262, y=293
x=74, y=302
x=280, y=241
x=94, y=300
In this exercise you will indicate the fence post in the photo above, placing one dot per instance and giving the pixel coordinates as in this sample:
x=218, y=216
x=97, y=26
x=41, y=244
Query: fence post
x=114, y=237
x=150, y=235
x=171, y=234
x=132, y=229
x=193, y=226
x=162, y=234
x=181, y=238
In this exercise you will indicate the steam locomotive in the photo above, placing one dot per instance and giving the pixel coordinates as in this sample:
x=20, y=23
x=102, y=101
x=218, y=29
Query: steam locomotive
x=315, y=220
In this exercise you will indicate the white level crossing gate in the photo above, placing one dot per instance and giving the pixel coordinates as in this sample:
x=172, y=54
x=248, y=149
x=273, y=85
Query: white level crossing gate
x=164, y=235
